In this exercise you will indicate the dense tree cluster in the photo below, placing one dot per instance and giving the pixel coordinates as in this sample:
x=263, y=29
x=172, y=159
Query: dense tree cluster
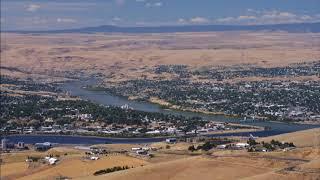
x=29, y=85
x=110, y=170
x=33, y=110
x=272, y=99
x=222, y=73
x=273, y=145
x=210, y=144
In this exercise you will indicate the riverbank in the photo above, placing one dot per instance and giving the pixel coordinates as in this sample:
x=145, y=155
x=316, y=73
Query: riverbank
x=90, y=140
x=167, y=105
x=160, y=138
x=75, y=88
x=167, y=160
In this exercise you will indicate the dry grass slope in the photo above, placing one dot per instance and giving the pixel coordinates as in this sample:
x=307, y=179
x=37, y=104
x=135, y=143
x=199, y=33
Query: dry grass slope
x=308, y=138
x=236, y=165
x=131, y=56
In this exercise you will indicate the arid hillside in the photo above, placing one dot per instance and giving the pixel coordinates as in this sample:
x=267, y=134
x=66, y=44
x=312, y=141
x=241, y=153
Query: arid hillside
x=124, y=56
x=308, y=138
x=176, y=163
x=300, y=163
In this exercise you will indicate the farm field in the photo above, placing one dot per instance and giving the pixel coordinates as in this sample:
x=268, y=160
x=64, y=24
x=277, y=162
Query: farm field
x=175, y=163
x=132, y=56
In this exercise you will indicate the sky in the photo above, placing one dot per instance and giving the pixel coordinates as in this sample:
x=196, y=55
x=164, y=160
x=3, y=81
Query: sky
x=66, y=14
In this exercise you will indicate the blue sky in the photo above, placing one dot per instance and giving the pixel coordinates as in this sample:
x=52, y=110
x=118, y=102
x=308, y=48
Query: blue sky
x=63, y=14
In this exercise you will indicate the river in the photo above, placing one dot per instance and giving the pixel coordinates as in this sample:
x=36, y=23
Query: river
x=75, y=88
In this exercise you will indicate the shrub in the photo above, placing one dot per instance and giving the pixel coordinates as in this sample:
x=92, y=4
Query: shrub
x=110, y=170
x=191, y=148
x=206, y=146
x=268, y=146
x=252, y=142
x=33, y=159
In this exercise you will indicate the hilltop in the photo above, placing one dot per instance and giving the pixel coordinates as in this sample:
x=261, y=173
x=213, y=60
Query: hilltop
x=294, y=28
x=295, y=164
x=307, y=138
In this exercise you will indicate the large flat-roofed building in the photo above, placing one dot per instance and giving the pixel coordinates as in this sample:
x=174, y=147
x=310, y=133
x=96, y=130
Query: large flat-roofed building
x=43, y=146
x=4, y=143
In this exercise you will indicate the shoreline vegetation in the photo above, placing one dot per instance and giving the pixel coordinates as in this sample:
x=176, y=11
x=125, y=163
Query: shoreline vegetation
x=168, y=106
x=248, y=130
x=73, y=116
x=164, y=105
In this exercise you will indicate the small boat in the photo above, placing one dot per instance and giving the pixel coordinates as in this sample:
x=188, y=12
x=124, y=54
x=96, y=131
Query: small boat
x=244, y=119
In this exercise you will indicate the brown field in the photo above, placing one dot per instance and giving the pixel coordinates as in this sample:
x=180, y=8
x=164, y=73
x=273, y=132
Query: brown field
x=123, y=56
x=13, y=168
x=177, y=163
x=308, y=138
x=190, y=168
x=300, y=163
x=208, y=167
x=71, y=165
x=79, y=168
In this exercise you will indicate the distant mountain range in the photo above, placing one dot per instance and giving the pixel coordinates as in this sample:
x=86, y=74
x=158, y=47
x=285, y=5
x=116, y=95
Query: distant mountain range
x=293, y=28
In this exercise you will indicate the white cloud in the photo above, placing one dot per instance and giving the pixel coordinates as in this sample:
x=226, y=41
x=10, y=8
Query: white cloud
x=156, y=4
x=287, y=15
x=116, y=19
x=35, y=20
x=66, y=20
x=279, y=17
x=246, y=17
x=199, y=20
x=226, y=19
x=181, y=20
x=33, y=7
x=268, y=17
x=306, y=17
x=253, y=11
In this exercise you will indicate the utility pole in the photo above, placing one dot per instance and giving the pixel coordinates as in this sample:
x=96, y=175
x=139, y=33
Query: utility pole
x=2, y=136
x=1, y=156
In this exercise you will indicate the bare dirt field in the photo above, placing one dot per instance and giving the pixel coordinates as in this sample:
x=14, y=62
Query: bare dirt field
x=207, y=167
x=72, y=164
x=127, y=56
x=190, y=168
x=79, y=168
x=300, y=163
x=176, y=163
x=308, y=138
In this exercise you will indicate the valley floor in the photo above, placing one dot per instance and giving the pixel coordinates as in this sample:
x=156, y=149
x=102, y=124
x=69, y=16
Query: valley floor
x=176, y=162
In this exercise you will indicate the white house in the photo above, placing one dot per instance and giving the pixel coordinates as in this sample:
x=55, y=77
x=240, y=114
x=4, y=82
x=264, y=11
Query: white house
x=52, y=161
x=94, y=158
x=153, y=132
x=136, y=149
x=242, y=145
x=222, y=146
x=142, y=152
x=171, y=140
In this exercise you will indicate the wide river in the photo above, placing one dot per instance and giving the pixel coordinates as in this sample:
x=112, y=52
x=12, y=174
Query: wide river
x=75, y=88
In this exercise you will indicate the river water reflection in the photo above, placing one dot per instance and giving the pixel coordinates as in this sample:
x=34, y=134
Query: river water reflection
x=75, y=88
